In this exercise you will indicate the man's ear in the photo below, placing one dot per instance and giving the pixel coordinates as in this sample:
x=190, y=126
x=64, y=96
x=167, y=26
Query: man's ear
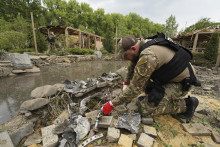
x=133, y=48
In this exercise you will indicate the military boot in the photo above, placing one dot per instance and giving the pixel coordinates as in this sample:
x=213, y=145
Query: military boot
x=191, y=105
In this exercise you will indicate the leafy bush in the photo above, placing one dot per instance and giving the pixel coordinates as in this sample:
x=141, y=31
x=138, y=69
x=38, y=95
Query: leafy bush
x=211, y=51
x=12, y=40
x=199, y=60
x=105, y=52
x=81, y=51
x=62, y=53
x=22, y=50
x=2, y=54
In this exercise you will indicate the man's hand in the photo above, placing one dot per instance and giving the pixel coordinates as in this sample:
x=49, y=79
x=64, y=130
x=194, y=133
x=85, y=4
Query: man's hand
x=107, y=108
x=125, y=85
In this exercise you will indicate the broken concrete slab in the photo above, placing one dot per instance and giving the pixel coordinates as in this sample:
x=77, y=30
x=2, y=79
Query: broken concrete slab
x=125, y=141
x=113, y=134
x=145, y=140
x=33, y=139
x=147, y=120
x=49, y=139
x=216, y=137
x=151, y=131
x=130, y=122
x=196, y=129
x=5, y=140
x=83, y=127
x=104, y=121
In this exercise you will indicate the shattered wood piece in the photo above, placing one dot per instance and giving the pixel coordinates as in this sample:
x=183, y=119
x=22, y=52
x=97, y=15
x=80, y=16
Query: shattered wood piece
x=91, y=140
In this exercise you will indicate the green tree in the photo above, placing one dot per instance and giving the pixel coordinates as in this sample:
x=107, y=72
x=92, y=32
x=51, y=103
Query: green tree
x=211, y=51
x=108, y=42
x=202, y=23
x=171, y=26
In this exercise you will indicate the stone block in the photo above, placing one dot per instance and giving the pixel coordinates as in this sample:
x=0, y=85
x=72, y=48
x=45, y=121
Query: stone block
x=33, y=70
x=145, y=140
x=151, y=131
x=104, y=121
x=5, y=140
x=130, y=122
x=44, y=91
x=133, y=136
x=18, y=71
x=102, y=84
x=91, y=115
x=20, y=61
x=60, y=119
x=49, y=139
x=196, y=129
x=147, y=121
x=216, y=137
x=121, y=109
x=113, y=134
x=33, y=139
x=34, y=104
x=125, y=141
x=21, y=132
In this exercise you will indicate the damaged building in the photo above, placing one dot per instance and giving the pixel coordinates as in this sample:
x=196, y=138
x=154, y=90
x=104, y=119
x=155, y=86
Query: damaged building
x=70, y=37
x=196, y=40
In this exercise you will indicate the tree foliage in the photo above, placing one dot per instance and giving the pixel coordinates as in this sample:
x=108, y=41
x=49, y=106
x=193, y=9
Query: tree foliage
x=200, y=24
x=171, y=26
x=15, y=17
x=211, y=51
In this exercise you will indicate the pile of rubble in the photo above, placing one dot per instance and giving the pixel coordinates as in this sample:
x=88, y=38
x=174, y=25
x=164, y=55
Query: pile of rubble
x=69, y=114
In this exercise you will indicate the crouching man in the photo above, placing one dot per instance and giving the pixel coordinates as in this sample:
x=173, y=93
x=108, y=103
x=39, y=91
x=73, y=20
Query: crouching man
x=159, y=76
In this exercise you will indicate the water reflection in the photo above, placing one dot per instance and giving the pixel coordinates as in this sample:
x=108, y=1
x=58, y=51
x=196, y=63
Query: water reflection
x=15, y=90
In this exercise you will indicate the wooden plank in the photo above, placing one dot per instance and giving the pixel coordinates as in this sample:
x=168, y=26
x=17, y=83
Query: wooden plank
x=195, y=41
x=218, y=58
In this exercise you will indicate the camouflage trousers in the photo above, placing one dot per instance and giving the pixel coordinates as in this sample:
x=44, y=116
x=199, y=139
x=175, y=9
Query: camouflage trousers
x=172, y=103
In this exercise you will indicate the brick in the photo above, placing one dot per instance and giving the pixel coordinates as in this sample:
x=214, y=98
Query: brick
x=196, y=129
x=150, y=131
x=133, y=136
x=145, y=140
x=5, y=140
x=147, y=121
x=104, y=121
x=113, y=134
x=49, y=139
x=216, y=137
x=125, y=141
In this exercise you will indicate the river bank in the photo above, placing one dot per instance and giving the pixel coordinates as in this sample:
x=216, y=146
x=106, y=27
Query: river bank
x=167, y=130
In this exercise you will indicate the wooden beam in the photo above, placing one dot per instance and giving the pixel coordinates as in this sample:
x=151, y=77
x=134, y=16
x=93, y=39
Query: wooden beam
x=95, y=42
x=67, y=37
x=89, y=41
x=195, y=41
x=79, y=39
x=35, y=42
x=218, y=58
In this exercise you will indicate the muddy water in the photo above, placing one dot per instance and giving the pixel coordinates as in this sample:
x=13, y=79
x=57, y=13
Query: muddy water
x=15, y=90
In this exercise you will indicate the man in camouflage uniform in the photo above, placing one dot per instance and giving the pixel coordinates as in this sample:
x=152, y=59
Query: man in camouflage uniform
x=139, y=75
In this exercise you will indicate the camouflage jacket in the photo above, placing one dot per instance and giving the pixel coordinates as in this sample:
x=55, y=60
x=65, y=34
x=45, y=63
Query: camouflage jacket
x=139, y=74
